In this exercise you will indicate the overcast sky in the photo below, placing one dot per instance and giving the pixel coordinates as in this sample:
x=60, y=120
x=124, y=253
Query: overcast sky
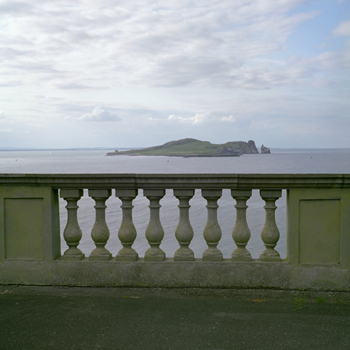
x=140, y=73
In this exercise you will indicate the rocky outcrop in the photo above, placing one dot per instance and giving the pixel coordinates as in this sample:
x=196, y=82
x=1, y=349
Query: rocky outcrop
x=265, y=150
x=229, y=151
x=251, y=147
x=243, y=147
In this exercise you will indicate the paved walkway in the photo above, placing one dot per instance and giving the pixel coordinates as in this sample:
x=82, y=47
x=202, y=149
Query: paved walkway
x=125, y=318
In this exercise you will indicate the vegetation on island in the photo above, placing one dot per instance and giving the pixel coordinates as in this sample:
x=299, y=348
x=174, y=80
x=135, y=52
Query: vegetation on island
x=193, y=148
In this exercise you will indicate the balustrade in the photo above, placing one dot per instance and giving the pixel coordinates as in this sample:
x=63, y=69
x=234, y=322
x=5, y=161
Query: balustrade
x=184, y=232
x=317, y=231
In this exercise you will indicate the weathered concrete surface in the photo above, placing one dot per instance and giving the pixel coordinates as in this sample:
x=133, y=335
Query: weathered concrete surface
x=169, y=273
x=57, y=318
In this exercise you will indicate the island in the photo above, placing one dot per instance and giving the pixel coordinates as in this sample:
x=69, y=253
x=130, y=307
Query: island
x=193, y=148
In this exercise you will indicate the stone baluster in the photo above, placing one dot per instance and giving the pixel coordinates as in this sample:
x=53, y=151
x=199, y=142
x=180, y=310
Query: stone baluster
x=100, y=231
x=127, y=231
x=241, y=232
x=184, y=230
x=212, y=230
x=270, y=234
x=72, y=232
x=154, y=231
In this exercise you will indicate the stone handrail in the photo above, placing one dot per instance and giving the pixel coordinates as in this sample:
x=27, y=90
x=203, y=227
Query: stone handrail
x=174, y=181
x=318, y=231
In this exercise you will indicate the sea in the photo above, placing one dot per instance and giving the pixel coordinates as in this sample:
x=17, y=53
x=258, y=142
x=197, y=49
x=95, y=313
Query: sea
x=95, y=161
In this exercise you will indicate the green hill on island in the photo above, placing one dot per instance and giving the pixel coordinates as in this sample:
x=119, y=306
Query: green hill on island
x=194, y=148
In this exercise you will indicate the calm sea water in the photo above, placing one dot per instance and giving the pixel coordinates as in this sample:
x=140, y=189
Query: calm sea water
x=94, y=161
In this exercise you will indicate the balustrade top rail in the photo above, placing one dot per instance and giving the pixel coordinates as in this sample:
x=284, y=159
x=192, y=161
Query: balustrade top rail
x=179, y=181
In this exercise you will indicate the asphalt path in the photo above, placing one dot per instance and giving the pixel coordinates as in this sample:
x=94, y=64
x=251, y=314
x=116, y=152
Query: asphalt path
x=76, y=318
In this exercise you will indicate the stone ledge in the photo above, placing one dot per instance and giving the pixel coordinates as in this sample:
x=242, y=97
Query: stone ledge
x=174, y=274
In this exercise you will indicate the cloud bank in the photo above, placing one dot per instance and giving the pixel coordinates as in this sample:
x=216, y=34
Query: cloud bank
x=166, y=68
x=99, y=114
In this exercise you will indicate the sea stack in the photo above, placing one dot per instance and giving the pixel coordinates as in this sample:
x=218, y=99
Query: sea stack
x=265, y=150
x=251, y=147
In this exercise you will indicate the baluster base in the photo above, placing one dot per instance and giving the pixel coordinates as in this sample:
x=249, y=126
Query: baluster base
x=184, y=254
x=100, y=254
x=154, y=254
x=241, y=254
x=127, y=254
x=270, y=254
x=73, y=254
x=212, y=254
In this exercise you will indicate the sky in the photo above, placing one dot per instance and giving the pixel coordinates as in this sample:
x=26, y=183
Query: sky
x=140, y=73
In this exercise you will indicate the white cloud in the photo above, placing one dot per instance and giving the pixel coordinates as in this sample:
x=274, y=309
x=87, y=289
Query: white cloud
x=343, y=29
x=230, y=119
x=197, y=119
x=96, y=45
x=99, y=114
x=201, y=118
x=175, y=118
x=211, y=66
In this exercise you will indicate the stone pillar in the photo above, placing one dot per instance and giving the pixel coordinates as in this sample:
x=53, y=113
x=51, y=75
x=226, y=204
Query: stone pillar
x=270, y=234
x=72, y=233
x=241, y=232
x=100, y=232
x=212, y=230
x=154, y=231
x=29, y=223
x=127, y=231
x=184, y=230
